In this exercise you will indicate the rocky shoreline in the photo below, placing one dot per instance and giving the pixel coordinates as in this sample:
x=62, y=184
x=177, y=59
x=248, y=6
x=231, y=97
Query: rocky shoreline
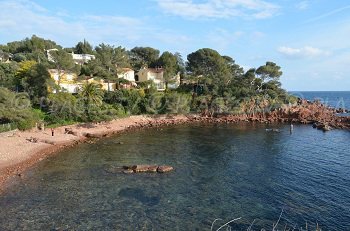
x=20, y=152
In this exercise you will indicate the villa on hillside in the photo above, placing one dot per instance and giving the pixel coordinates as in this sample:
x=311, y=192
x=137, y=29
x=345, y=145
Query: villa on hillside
x=154, y=74
x=82, y=58
x=157, y=76
x=78, y=58
x=5, y=57
x=68, y=81
x=127, y=74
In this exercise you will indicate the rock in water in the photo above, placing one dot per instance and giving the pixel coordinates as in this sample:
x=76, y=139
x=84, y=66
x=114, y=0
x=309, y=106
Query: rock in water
x=164, y=168
x=128, y=171
x=326, y=128
x=144, y=168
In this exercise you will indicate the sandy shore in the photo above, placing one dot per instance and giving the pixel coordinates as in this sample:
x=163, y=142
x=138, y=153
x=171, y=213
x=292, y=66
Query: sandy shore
x=20, y=150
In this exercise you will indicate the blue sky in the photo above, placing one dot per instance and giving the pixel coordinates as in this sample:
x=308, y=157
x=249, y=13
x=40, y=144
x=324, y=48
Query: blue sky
x=309, y=39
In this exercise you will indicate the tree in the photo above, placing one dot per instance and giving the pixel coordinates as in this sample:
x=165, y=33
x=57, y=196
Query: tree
x=37, y=81
x=31, y=45
x=7, y=75
x=181, y=66
x=62, y=108
x=108, y=59
x=63, y=61
x=170, y=65
x=21, y=74
x=143, y=57
x=269, y=75
x=83, y=48
x=16, y=108
x=34, y=79
x=91, y=96
x=270, y=71
x=212, y=69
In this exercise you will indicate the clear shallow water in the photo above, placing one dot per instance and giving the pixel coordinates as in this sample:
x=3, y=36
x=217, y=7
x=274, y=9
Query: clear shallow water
x=336, y=99
x=222, y=171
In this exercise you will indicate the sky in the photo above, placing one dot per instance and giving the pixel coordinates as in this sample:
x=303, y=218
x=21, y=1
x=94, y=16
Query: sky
x=309, y=39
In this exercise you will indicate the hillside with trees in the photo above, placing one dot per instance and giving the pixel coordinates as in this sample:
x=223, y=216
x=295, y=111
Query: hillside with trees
x=212, y=84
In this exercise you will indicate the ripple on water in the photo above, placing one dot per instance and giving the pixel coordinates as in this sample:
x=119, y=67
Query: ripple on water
x=221, y=171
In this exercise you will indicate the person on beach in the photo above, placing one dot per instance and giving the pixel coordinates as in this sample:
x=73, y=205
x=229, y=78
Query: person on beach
x=52, y=131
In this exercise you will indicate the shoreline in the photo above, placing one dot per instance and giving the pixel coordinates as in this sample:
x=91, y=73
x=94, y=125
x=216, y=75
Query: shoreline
x=23, y=149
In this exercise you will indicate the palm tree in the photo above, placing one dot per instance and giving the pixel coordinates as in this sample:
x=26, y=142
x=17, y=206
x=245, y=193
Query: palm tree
x=91, y=95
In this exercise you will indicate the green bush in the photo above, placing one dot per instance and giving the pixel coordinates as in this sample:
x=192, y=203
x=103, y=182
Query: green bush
x=16, y=108
x=63, y=107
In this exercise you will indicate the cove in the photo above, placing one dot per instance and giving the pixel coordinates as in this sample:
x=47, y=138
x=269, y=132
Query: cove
x=221, y=171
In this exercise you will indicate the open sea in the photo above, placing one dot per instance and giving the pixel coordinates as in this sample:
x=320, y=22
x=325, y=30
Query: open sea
x=336, y=99
x=222, y=172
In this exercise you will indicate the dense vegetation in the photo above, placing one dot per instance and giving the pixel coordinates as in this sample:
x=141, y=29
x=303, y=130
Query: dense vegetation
x=210, y=84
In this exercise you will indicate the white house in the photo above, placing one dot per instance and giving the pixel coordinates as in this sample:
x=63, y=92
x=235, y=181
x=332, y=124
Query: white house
x=126, y=73
x=82, y=58
x=78, y=58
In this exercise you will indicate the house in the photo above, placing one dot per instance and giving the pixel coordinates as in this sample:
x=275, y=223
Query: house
x=68, y=81
x=82, y=58
x=5, y=57
x=154, y=74
x=78, y=58
x=126, y=73
x=107, y=86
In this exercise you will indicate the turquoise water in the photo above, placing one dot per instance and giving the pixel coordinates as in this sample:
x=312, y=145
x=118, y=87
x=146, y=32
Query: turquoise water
x=221, y=171
x=336, y=99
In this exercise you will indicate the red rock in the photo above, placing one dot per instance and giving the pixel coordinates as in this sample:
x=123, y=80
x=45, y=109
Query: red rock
x=144, y=168
x=164, y=168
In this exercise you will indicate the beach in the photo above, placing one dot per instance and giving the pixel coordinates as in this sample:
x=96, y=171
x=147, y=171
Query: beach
x=23, y=149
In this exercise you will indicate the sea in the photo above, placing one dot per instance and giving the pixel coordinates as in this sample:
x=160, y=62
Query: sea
x=335, y=99
x=227, y=176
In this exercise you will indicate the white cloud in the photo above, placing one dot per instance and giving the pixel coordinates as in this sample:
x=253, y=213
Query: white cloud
x=303, y=52
x=257, y=9
x=303, y=5
x=23, y=18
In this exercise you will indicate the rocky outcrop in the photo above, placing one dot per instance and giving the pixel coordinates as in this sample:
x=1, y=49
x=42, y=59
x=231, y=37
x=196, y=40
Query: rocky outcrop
x=322, y=126
x=70, y=131
x=95, y=135
x=140, y=169
x=164, y=168
x=143, y=168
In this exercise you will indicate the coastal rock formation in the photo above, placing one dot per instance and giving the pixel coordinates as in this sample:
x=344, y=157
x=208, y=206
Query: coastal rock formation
x=70, y=131
x=140, y=169
x=303, y=112
x=144, y=168
x=95, y=135
x=164, y=168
